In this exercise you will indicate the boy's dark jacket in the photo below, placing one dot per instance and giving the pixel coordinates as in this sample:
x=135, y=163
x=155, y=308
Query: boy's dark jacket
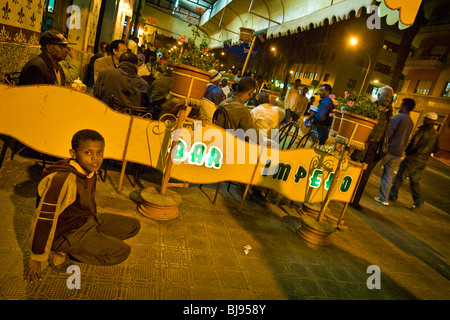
x=65, y=201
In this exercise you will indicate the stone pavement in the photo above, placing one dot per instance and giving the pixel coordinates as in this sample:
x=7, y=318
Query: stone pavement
x=200, y=255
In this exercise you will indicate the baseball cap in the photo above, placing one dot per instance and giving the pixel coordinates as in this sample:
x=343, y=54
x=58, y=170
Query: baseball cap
x=214, y=75
x=140, y=56
x=431, y=115
x=53, y=37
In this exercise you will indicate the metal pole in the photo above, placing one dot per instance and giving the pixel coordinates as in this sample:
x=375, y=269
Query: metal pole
x=367, y=72
x=248, y=55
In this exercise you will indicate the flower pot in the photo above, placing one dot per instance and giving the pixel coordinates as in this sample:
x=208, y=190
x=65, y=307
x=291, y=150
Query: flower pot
x=272, y=96
x=354, y=130
x=337, y=115
x=189, y=82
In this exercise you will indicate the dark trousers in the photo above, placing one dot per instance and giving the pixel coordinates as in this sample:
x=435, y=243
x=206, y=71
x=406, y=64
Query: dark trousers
x=371, y=159
x=100, y=240
x=410, y=167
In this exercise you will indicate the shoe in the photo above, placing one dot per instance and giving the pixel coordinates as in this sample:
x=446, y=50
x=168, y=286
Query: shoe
x=355, y=205
x=378, y=199
x=62, y=267
x=392, y=199
x=416, y=206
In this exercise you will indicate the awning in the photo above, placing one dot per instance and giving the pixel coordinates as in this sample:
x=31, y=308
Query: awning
x=283, y=17
x=334, y=13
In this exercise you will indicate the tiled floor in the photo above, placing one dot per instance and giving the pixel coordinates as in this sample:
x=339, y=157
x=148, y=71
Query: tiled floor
x=200, y=255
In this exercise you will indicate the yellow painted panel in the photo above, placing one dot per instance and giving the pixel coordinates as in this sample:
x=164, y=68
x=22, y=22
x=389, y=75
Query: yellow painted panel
x=46, y=117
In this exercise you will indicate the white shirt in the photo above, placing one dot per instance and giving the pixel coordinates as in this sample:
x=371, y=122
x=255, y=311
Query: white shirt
x=265, y=117
x=226, y=90
x=291, y=99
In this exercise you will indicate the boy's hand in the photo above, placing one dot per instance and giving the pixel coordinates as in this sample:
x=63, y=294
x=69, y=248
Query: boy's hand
x=33, y=270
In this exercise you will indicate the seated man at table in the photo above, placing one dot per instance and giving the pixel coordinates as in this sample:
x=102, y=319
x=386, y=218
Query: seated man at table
x=45, y=68
x=124, y=85
x=239, y=115
x=266, y=116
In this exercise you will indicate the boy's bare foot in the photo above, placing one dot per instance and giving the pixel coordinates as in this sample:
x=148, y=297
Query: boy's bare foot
x=59, y=261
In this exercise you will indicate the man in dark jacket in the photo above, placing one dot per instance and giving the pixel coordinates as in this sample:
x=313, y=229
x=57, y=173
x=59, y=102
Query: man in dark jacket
x=401, y=128
x=376, y=143
x=44, y=69
x=424, y=142
x=122, y=87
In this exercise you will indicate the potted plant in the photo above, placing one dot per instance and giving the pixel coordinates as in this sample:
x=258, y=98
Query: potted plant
x=274, y=92
x=354, y=119
x=188, y=65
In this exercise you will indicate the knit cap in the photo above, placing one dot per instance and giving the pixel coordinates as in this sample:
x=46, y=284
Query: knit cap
x=215, y=75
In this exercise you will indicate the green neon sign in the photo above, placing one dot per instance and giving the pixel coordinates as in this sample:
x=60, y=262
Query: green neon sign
x=199, y=154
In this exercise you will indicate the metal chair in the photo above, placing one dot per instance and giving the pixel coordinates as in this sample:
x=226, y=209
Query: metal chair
x=119, y=106
x=221, y=119
x=306, y=137
x=284, y=133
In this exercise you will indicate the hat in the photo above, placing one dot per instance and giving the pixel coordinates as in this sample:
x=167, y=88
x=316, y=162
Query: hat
x=53, y=37
x=140, y=56
x=431, y=116
x=215, y=75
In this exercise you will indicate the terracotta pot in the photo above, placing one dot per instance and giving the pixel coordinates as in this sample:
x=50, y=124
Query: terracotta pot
x=245, y=34
x=272, y=96
x=189, y=82
x=354, y=130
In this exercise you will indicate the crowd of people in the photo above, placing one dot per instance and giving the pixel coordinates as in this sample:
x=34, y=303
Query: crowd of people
x=119, y=76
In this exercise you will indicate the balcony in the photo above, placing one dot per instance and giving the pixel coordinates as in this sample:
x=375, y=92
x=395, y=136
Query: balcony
x=431, y=62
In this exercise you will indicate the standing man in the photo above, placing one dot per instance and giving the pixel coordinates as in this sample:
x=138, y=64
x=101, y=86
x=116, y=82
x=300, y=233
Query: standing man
x=291, y=100
x=45, y=68
x=117, y=47
x=376, y=142
x=301, y=105
x=424, y=142
x=321, y=120
x=401, y=128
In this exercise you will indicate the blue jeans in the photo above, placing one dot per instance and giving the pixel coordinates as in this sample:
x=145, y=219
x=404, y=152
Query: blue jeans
x=412, y=168
x=389, y=163
x=287, y=116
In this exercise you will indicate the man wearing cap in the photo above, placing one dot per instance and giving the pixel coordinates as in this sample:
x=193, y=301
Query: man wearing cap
x=44, y=69
x=424, y=142
x=213, y=92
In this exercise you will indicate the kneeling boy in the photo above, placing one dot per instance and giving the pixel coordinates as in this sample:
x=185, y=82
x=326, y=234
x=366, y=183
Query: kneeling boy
x=66, y=221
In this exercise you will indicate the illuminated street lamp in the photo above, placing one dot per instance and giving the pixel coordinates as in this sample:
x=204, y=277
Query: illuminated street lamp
x=354, y=41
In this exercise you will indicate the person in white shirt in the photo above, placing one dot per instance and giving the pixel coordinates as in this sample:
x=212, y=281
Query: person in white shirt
x=142, y=67
x=225, y=87
x=301, y=106
x=291, y=100
x=265, y=116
